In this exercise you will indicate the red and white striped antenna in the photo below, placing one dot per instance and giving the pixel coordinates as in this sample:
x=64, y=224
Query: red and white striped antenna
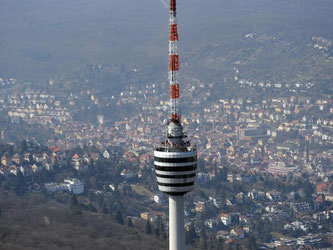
x=173, y=64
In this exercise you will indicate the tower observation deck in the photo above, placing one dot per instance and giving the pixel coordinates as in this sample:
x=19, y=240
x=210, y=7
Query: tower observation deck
x=175, y=161
x=175, y=158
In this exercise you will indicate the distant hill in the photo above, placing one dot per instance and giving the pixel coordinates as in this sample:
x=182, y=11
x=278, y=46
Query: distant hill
x=43, y=38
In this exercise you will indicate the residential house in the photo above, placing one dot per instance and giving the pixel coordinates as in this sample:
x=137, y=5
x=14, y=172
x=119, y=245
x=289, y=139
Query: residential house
x=36, y=168
x=222, y=235
x=127, y=174
x=324, y=188
x=106, y=154
x=237, y=233
x=4, y=160
x=16, y=158
x=75, y=185
x=158, y=198
x=210, y=223
x=301, y=207
x=247, y=228
x=144, y=158
x=200, y=206
x=226, y=219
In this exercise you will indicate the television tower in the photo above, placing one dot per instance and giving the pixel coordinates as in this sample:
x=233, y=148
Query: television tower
x=175, y=159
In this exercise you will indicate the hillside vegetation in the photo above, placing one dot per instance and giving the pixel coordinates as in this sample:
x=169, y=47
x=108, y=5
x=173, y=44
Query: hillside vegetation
x=35, y=222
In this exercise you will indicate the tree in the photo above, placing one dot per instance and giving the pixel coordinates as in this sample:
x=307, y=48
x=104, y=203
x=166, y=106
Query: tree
x=129, y=222
x=308, y=189
x=91, y=196
x=11, y=150
x=31, y=158
x=251, y=243
x=104, y=209
x=203, y=239
x=73, y=203
x=162, y=232
x=100, y=201
x=264, y=228
x=147, y=228
x=211, y=242
x=19, y=183
x=118, y=217
x=224, y=174
x=190, y=235
x=74, y=206
x=10, y=182
x=157, y=232
x=23, y=146
x=220, y=244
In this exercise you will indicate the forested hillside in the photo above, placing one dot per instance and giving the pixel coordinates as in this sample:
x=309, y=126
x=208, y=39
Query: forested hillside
x=35, y=222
